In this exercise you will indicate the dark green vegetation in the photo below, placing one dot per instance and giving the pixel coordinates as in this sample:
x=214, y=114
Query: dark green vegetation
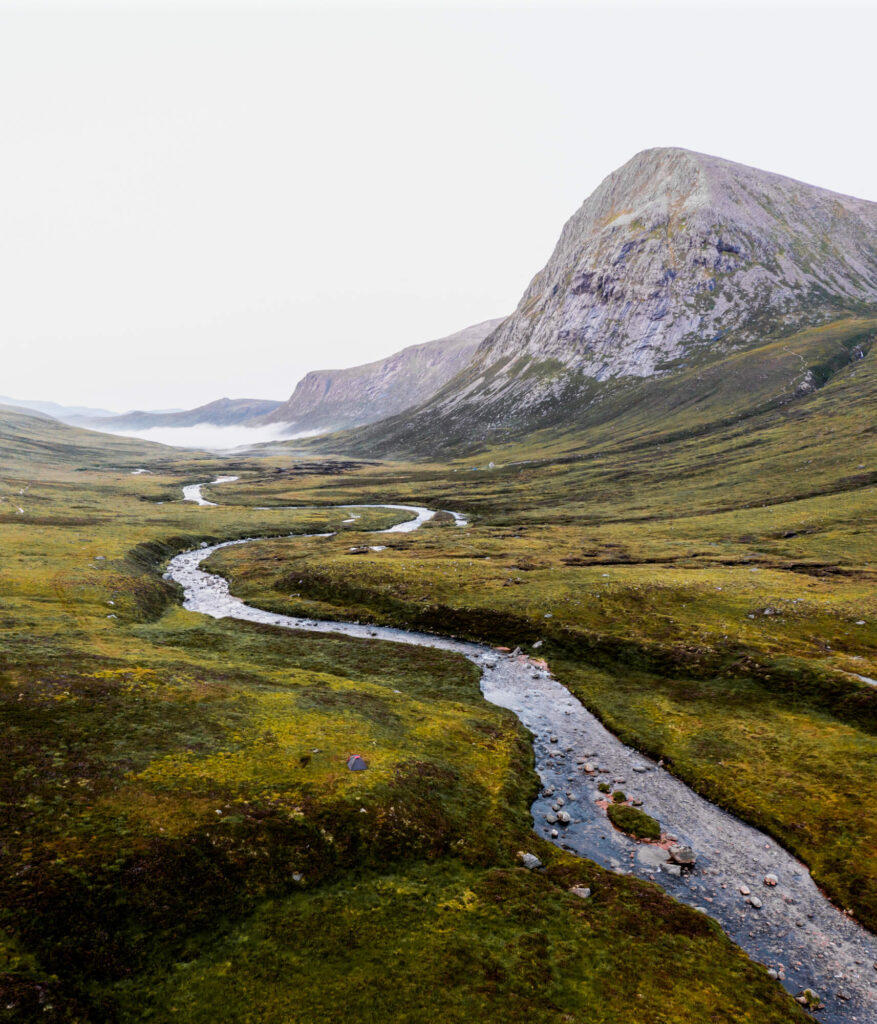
x=699, y=564
x=181, y=839
x=633, y=821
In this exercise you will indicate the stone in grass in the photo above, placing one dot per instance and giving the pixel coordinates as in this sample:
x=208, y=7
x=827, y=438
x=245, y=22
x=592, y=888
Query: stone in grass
x=529, y=860
x=633, y=822
x=583, y=892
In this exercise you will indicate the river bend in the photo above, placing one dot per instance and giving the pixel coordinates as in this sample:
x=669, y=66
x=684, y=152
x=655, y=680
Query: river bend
x=796, y=931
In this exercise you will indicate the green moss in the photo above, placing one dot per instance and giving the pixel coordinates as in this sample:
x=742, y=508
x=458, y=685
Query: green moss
x=634, y=822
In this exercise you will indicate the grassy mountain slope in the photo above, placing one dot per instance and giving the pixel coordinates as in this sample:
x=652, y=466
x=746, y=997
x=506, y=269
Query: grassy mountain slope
x=29, y=437
x=702, y=395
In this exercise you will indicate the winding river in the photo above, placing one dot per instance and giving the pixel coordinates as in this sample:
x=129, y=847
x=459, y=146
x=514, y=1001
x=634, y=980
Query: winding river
x=791, y=927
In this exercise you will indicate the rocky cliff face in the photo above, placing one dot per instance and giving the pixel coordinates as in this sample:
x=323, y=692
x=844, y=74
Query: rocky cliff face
x=675, y=256
x=336, y=399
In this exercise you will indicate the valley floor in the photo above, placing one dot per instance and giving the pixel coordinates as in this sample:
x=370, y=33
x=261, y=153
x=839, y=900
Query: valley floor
x=182, y=839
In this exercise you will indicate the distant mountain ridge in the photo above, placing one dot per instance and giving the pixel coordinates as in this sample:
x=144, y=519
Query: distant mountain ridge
x=336, y=399
x=60, y=412
x=325, y=400
x=676, y=257
x=223, y=412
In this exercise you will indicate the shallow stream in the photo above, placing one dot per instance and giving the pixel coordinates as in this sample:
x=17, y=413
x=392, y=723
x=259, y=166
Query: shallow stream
x=796, y=930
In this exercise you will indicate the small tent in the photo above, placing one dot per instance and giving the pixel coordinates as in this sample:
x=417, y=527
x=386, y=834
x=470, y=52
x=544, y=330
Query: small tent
x=356, y=763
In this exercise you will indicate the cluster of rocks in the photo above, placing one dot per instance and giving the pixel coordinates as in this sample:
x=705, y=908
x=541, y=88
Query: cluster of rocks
x=557, y=815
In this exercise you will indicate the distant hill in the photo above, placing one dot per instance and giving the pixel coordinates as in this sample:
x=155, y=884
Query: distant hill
x=224, y=412
x=60, y=412
x=334, y=399
x=678, y=259
x=32, y=439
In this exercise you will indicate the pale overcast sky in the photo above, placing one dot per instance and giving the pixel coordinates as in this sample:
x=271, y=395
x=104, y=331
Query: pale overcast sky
x=212, y=201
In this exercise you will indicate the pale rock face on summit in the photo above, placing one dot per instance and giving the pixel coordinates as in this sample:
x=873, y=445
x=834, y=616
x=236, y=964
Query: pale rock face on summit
x=336, y=399
x=675, y=252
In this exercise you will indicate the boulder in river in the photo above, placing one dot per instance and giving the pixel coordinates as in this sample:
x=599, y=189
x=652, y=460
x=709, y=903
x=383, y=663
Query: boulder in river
x=771, y=879
x=809, y=999
x=682, y=855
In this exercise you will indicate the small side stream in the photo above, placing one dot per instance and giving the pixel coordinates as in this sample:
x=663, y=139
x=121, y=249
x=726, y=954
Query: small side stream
x=796, y=930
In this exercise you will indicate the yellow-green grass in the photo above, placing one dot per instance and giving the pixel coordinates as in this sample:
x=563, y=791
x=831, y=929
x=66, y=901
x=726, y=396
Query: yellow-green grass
x=701, y=585
x=444, y=941
x=179, y=829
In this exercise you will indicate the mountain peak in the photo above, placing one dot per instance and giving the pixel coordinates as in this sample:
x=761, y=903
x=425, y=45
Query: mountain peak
x=676, y=256
x=677, y=248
